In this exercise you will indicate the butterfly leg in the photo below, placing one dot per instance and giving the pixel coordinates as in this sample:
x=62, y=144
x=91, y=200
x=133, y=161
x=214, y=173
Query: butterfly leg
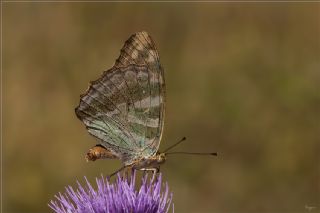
x=155, y=170
x=119, y=170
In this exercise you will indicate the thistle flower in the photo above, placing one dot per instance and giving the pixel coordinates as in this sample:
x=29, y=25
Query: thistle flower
x=120, y=196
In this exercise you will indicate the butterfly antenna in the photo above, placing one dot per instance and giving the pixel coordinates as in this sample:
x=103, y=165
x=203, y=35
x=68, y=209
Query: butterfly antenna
x=193, y=153
x=170, y=147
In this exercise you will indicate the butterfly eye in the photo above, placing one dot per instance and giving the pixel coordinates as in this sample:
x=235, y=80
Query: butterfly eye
x=161, y=158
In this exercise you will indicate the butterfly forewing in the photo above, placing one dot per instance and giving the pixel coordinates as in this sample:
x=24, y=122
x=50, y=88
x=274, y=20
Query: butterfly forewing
x=124, y=108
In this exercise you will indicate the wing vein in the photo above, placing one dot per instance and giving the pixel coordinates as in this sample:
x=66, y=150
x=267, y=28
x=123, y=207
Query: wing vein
x=134, y=140
x=124, y=121
x=117, y=124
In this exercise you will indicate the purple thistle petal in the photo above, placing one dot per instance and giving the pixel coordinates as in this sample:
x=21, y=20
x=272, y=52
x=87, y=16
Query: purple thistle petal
x=120, y=196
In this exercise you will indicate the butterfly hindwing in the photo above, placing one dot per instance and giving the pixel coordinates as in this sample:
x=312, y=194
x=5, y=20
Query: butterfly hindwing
x=124, y=108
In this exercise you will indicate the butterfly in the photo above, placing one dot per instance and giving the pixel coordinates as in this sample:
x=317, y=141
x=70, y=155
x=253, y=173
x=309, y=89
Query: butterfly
x=124, y=108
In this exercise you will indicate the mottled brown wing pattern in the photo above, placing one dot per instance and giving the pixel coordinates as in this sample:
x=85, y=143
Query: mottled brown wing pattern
x=124, y=108
x=140, y=49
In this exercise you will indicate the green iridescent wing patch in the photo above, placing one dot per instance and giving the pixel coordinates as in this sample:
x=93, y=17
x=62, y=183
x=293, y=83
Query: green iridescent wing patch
x=124, y=108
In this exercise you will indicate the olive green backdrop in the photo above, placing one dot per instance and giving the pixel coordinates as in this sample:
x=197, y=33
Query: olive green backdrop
x=243, y=79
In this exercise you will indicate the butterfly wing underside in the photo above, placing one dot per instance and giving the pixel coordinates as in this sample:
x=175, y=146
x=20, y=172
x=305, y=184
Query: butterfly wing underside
x=124, y=108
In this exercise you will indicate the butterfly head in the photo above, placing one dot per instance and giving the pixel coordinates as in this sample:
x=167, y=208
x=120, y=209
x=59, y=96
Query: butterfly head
x=161, y=158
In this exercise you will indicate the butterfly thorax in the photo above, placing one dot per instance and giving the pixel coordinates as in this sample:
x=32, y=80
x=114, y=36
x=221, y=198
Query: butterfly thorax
x=151, y=162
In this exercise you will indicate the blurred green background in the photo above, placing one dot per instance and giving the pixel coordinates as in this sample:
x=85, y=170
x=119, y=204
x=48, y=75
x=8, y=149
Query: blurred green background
x=243, y=79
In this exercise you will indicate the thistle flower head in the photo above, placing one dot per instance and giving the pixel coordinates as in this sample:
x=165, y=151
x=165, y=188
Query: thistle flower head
x=120, y=196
